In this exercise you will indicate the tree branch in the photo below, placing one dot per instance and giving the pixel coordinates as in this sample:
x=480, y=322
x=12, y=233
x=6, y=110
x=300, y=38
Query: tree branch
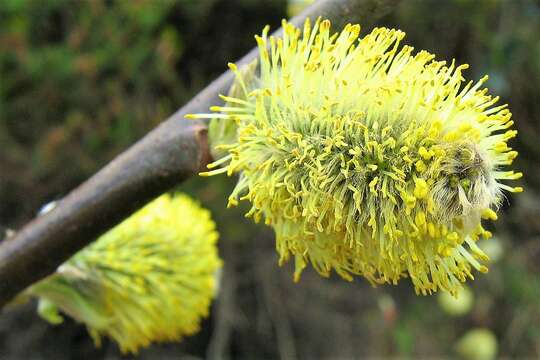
x=169, y=154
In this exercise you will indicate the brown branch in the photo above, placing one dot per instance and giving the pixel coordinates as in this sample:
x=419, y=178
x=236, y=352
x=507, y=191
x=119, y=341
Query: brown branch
x=174, y=151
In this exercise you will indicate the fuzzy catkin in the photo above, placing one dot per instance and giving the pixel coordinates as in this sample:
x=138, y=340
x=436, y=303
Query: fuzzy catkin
x=365, y=158
x=150, y=279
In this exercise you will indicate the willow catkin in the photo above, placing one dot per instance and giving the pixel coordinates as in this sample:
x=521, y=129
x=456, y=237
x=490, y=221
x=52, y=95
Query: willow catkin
x=150, y=279
x=366, y=158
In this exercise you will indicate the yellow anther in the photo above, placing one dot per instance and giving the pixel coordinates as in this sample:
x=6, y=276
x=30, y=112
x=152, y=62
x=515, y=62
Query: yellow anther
x=373, y=183
x=420, y=218
x=431, y=229
x=464, y=127
x=423, y=152
x=489, y=214
x=420, y=166
x=453, y=237
x=420, y=188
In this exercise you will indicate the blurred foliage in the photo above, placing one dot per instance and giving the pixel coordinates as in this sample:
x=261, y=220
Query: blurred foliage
x=72, y=92
x=82, y=80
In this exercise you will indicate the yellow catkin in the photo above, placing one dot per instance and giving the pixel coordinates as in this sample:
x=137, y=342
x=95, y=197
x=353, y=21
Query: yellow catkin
x=366, y=158
x=150, y=279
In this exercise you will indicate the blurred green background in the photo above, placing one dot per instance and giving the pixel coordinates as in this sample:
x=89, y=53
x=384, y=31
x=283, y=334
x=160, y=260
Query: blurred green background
x=82, y=80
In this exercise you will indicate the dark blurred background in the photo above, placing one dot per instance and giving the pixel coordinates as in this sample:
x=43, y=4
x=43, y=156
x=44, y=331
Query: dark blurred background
x=82, y=80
